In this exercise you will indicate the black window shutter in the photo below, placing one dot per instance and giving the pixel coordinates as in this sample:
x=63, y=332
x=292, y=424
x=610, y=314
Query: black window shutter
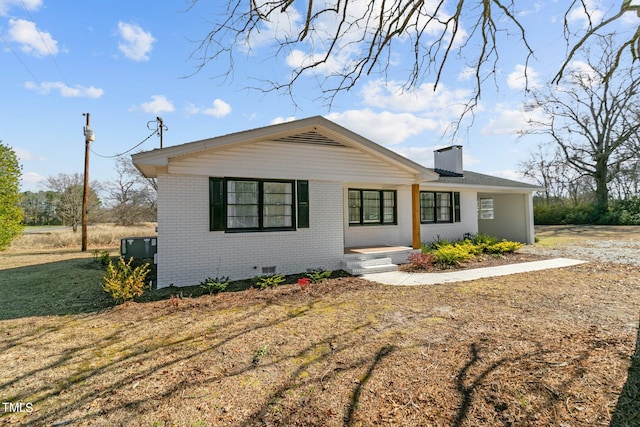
x=303, y=204
x=456, y=206
x=216, y=204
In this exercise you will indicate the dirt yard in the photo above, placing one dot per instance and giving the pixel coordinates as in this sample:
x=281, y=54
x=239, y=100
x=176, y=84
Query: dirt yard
x=534, y=349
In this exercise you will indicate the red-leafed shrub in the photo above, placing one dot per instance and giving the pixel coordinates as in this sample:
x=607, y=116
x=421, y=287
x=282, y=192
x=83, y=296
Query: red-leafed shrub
x=421, y=261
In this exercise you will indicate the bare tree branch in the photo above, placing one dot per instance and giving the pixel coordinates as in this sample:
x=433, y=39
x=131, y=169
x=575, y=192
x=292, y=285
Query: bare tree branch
x=594, y=120
x=349, y=39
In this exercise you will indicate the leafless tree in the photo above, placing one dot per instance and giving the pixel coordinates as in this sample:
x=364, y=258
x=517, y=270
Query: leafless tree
x=626, y=183
x=133, y=197
x=69, y=187
x=349, y=39
x=548, y=171
x=593, y=117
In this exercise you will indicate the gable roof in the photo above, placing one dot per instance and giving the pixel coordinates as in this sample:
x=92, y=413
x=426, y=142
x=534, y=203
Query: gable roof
x=320, y=131
x=312, y=130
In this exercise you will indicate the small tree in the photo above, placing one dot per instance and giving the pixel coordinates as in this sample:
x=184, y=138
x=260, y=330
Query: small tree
x=10, y=210
x=133, y=197
x=70, y=189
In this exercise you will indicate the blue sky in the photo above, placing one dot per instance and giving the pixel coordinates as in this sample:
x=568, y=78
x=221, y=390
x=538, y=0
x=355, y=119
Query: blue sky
x=127, y=62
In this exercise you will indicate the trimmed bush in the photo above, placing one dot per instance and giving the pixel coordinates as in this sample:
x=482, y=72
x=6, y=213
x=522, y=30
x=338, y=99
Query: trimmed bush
x=451, y=255
x=124, y=282
x=446, y=253
x=503, y=247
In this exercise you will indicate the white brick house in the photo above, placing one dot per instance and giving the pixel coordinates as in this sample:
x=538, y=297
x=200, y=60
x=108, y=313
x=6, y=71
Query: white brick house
x=302, y=194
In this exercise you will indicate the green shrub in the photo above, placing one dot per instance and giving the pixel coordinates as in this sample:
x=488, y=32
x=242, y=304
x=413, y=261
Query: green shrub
x=437, y=243
x=451, y=255
x=215, y=285
x=484, y=239
x=318, y=275
x=259, y=354
x=268, y=281
x=503, y=247
x=101, y=257
x=471, y=248
x=123, y=281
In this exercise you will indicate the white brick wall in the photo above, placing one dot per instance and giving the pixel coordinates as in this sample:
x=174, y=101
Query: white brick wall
x=381, y=235
x=455, y=230
x=188, y=252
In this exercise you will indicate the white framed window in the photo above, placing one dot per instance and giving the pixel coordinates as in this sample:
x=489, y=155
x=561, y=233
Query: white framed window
x=372, y=207
x=485, y=210
x=439, y=207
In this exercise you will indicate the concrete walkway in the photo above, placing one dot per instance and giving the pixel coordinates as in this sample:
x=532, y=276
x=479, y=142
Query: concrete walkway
x=400, y=278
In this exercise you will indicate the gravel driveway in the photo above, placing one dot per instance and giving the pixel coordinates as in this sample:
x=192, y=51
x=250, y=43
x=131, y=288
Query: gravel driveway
x=621, y=249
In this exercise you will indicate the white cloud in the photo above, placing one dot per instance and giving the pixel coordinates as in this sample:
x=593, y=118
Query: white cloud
x=582, y=17
x=510, y=174
x=135, y=43
x=33, y=41
x=583, y=73
x=421, y=155
x=219, y=109
x=533, y=8
x=280, y=119
x=442, y=103
x=513, y=121
x=424, y=155
x=30, y=179
x=332, y=65
x=523, y=77
x=30, y=5
x=384, y=128
x=25, y=155
x=279, y=26
x=355, y=35
x=158, y=104
x=77, y=91
x=191, y=109
x=466, y=74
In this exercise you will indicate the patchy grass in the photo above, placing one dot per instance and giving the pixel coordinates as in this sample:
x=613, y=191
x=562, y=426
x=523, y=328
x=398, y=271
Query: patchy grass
x=99, y=236
x=560, y=235
x=545, y=348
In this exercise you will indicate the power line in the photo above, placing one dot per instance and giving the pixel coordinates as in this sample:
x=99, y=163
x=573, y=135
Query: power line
x=20, y=59
x=45, y=44
x=129, y=150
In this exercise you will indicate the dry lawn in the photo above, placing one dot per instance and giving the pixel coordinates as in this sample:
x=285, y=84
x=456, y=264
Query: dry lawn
x=533, y=349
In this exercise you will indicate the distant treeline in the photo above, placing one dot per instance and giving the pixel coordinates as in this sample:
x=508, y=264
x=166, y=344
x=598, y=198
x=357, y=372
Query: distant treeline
x=619, y=212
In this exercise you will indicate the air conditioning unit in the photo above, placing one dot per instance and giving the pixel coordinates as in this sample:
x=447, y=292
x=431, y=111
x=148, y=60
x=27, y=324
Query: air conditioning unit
x=139, y=247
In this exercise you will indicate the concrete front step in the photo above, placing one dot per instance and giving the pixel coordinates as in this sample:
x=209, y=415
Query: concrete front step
x=388, y=268
x=369, y=262
x=368, y=266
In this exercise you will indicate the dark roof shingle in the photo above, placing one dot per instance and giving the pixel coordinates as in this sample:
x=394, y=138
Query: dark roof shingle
x=480, y=179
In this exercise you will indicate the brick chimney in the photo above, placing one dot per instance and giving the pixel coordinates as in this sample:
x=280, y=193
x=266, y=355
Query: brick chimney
x=448, y=160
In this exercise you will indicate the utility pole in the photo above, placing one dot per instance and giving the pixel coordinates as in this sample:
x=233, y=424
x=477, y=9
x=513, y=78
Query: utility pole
x=161, y=125
x=161, y=128
x=89, y=136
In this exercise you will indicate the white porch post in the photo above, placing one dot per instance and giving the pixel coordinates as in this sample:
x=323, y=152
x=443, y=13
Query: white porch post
x=416, y=241
x=529, y=218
